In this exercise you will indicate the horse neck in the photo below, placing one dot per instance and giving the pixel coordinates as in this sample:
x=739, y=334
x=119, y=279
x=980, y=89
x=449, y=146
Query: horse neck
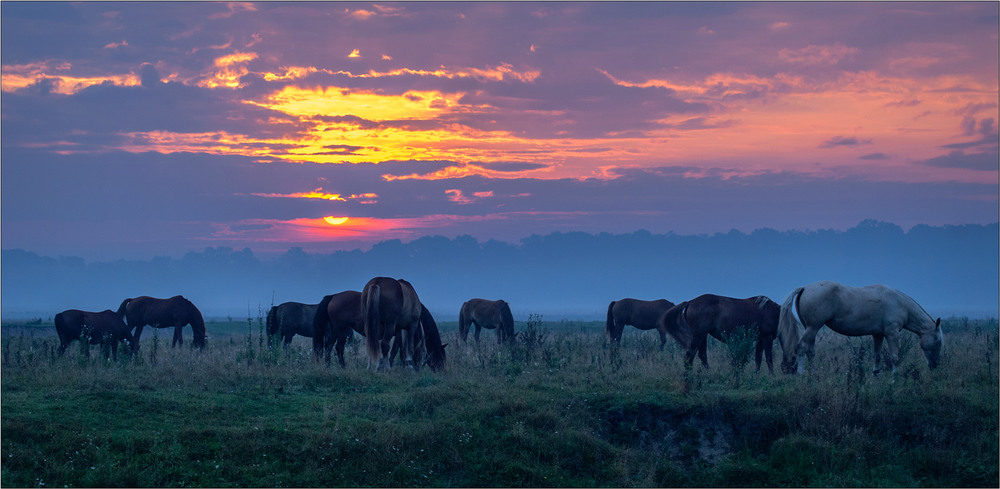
x=919, y=321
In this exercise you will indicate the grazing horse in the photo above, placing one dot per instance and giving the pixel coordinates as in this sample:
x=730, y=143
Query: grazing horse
x=289, y=319
x=339, y=315
x=389, y=307
x=486, y=314
x=643, y=315
x=93, y=328
x=875, y=310
x=691, y=322
x=175, y=312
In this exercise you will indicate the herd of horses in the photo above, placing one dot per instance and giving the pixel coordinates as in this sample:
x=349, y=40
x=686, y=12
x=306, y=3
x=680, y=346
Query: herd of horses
x=388, y=313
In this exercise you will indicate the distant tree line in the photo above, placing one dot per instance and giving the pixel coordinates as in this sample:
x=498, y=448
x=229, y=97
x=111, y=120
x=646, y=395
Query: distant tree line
x=948, y=268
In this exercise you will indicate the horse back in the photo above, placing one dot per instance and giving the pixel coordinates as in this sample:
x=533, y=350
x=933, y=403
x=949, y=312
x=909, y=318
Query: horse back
x=851, y=311
x=639, y=313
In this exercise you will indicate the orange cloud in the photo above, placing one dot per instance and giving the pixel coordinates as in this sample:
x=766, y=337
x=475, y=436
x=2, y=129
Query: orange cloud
x=318, y=194
x=16, y=77
x=231, y=69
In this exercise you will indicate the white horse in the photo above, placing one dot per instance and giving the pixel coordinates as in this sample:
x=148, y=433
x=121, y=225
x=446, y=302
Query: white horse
x=875, y=310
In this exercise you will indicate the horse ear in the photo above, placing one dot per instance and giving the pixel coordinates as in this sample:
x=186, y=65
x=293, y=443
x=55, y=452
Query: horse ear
x=444, y=346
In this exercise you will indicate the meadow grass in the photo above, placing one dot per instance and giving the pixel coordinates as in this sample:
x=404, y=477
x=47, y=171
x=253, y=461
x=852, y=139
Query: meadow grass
x=561, y=407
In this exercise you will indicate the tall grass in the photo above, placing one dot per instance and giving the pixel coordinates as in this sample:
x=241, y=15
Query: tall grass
x=558, y=407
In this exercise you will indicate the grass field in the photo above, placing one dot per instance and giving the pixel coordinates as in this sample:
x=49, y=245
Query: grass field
x=560, y=408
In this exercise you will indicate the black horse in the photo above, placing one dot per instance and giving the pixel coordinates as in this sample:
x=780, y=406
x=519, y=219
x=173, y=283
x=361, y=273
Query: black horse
x=643, y=315
x=175, y=312
x=94, y=328
x=289, y=319
x=692, y=321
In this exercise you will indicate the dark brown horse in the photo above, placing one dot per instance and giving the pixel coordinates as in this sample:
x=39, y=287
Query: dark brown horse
x=691, y=322
x=94, y=328
x=486, y=314
x=643, y=315
x=289, y=319
x=339, y=315
x=175, y=312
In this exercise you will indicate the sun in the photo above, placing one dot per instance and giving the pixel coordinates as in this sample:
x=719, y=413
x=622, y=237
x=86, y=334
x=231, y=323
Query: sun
x=336, y=221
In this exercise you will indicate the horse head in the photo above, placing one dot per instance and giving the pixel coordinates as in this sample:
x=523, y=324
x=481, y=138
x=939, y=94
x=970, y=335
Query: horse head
x=932, y=342
x=436, y=358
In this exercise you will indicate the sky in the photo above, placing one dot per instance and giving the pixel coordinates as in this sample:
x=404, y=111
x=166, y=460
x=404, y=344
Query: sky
x=141, y=129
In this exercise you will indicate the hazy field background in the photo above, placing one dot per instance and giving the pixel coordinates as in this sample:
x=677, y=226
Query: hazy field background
x=560, y=408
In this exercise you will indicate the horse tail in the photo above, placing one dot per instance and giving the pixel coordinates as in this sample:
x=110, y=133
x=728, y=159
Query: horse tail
x=675, y=324
x=122, y=309
x=788, y=328
x=373, y=333
x=507, y=320
x=463, y=321
x=610, y=325
x=320, y=322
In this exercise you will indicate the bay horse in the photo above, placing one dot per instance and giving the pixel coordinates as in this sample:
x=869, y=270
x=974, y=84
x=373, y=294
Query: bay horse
x=94, y=328
x=644, y=315
x=876, y=310
x=389, y=307
x=289, y=319
x=175, y=312
x=486, y=314
x=690, y=323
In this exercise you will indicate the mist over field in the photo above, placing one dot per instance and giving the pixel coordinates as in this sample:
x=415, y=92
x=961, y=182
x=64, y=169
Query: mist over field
x=950, y=270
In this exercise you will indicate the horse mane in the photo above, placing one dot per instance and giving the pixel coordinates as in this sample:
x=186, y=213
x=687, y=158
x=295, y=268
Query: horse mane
x=197, y=324
x=506, y=317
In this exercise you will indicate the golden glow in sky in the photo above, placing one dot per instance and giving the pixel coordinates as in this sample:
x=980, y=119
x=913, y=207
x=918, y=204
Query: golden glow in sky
x=413, y=112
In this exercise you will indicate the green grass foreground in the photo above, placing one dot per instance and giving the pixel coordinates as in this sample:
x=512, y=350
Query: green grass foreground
x=560, y=408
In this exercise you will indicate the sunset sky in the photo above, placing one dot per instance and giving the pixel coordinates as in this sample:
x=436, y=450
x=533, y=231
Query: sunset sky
x=144, y=129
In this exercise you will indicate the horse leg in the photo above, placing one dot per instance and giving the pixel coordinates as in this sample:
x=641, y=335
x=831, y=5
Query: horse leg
x=407, y=346
x=388, y=331
x=877, y=340
x=138, y=333
x=759, y=350
x=807, y=346
x=478, y=330
x=703, y=352
x=768, y=346
x=663, y=338
x=893, y=358
x=341, y=340
x=288, y=340
x=178, y=336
